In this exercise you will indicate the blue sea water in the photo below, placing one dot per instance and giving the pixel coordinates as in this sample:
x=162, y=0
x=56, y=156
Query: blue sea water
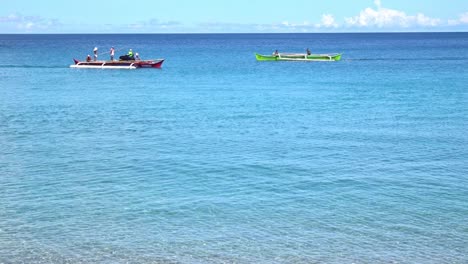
x=218, y=158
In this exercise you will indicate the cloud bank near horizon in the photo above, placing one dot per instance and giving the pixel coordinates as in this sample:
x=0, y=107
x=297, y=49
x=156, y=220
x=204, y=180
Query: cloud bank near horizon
x=375, y=19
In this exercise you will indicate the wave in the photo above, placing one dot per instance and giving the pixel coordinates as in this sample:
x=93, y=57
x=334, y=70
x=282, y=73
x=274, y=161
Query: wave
x=33, y=66
x=408, y=59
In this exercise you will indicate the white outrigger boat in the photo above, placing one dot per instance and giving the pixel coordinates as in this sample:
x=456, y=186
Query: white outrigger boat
x=121, y=64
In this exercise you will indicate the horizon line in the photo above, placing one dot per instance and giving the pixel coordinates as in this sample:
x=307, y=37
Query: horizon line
x=232, y=33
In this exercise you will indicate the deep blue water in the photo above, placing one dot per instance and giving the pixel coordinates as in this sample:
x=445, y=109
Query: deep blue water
x=218, y=158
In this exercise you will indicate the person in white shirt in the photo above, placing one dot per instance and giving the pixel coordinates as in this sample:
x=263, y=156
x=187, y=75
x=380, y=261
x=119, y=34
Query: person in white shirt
x=112, y=52
x=95, y=53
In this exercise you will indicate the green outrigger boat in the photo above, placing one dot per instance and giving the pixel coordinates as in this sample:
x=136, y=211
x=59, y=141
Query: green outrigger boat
x=299, y=57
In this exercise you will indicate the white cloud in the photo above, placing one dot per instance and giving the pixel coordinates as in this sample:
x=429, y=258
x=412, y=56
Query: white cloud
x=287, y=26
x=10, y=18
x=463, y=19
x=155, y=25
x=294, y=25
x=423, y=20
x=28, y=23
x=388, y=18
x=328, y=21
x=369, y=19
x=224, y=27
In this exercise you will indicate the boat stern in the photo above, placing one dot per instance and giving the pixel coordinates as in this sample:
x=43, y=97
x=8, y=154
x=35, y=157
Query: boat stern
x=150, y=64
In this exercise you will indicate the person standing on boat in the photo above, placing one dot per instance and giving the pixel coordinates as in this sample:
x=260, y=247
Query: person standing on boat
x=95, y=53
x=130, y=54
x=308, y=52
x=276, y=53
x=112, y=52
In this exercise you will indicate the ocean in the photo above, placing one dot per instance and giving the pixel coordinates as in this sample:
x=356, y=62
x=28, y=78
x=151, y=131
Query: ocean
x=218, y=158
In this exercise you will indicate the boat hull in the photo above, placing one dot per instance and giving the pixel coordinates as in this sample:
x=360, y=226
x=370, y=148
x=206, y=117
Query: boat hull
x=299, y=57
x=130, y=65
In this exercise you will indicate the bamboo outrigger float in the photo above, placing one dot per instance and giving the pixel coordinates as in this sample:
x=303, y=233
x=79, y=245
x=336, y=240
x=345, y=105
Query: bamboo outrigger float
x=299, y=57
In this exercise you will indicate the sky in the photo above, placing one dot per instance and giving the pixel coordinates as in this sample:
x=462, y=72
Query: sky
x=237, y=16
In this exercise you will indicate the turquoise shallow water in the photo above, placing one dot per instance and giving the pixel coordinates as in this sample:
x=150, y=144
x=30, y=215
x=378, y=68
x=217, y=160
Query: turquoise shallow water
x=217, y=158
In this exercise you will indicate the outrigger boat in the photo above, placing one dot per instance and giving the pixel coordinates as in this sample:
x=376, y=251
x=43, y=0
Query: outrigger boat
x=299, y=57
x=121, y=64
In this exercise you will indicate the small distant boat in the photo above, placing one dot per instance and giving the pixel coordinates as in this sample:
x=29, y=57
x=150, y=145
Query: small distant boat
x=299, y=57
x=121, y=64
